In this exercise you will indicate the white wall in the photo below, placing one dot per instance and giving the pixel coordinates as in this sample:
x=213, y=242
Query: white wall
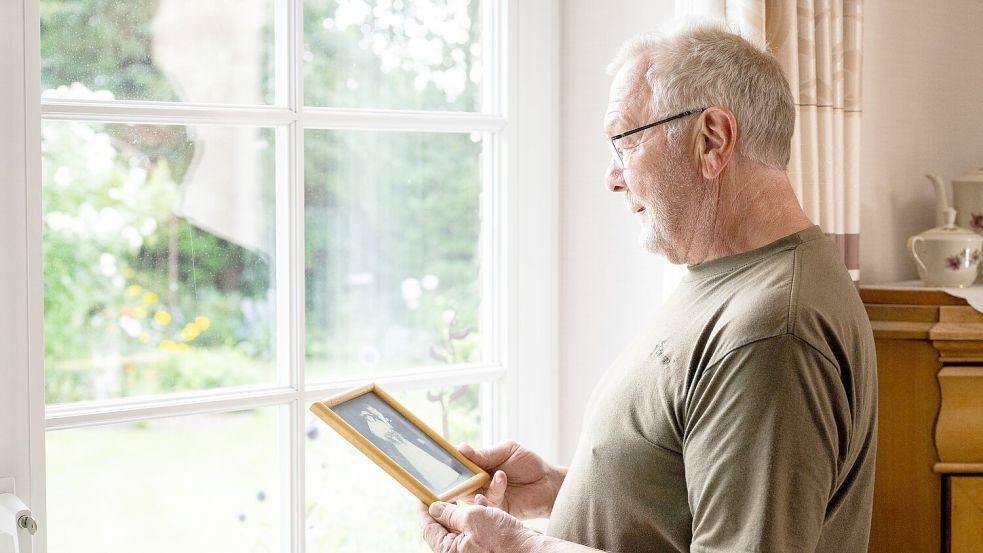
x=923, y=113
x=608, y=285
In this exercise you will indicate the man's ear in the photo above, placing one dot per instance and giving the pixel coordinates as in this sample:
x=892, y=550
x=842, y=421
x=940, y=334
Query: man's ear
x=717, y=137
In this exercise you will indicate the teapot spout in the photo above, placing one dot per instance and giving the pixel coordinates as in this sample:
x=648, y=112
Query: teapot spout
x=941, y=204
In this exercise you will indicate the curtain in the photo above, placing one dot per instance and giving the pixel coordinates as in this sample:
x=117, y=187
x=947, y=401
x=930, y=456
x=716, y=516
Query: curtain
x=818, y=44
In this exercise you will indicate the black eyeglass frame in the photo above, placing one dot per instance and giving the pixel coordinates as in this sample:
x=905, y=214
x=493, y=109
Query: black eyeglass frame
x=617, y=151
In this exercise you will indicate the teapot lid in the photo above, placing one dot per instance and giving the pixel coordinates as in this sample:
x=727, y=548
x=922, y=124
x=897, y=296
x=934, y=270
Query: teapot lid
x=949, y=230
x=972, y=176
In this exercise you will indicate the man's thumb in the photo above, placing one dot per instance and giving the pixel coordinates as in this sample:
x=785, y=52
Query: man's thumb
x=472, y=454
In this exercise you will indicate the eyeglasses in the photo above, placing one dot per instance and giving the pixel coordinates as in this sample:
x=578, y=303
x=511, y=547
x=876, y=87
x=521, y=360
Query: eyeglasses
x=621, y=142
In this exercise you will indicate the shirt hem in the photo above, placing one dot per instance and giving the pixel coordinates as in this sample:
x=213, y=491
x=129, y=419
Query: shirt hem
x=702, y=549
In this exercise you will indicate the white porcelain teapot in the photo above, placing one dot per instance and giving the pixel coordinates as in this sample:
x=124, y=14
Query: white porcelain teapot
x=967, y=199
x=947, y=256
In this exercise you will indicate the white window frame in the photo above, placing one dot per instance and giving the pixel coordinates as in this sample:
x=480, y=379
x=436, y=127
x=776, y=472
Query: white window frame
x=523, y=210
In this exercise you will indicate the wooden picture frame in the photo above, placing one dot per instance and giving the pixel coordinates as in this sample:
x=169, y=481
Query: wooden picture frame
x=430, y=474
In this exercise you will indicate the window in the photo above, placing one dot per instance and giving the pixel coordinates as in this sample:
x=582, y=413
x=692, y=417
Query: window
x=239, y=215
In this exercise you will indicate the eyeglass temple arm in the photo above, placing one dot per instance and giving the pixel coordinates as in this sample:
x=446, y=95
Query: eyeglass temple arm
x=650, y=125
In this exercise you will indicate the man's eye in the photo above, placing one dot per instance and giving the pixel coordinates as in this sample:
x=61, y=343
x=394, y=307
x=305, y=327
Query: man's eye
x=628, y=142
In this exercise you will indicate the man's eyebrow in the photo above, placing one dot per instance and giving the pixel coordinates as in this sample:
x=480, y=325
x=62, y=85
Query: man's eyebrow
x=612, y=126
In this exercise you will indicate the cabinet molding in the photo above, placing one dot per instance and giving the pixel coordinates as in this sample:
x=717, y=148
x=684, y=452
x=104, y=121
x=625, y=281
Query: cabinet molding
x=959, y=431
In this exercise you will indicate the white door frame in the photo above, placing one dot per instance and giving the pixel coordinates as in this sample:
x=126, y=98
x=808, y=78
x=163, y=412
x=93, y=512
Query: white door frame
x=21, y=287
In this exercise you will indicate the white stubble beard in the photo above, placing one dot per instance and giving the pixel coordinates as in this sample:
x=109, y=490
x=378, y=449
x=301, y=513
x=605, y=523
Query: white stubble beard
x=661, y=223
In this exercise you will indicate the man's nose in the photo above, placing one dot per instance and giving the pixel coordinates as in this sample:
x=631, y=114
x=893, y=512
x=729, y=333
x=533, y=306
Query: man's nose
x=615, y=177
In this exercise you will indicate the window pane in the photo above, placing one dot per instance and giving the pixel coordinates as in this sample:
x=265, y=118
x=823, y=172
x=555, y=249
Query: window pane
x=158, y=258
x=337, y=472
x=201, y=483
x=392, y=232
x=400, y=54
x=166, y=50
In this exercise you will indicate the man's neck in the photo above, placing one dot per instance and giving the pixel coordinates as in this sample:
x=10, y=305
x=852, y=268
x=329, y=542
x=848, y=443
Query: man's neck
x=755, y=209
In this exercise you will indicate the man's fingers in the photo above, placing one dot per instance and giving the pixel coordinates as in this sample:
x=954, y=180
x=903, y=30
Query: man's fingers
x=453, y=517
x=496, y=489
x=492, y=495
x=470, y=528
x=491, y=457
x=433, y=533
x=441, y=512
x=476, y=456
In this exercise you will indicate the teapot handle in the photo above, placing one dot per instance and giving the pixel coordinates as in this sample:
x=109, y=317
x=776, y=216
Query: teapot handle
x=911, y=249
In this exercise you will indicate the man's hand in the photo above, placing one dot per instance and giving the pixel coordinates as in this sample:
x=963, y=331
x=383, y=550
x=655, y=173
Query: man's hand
x=449, y=528
x=523, y=484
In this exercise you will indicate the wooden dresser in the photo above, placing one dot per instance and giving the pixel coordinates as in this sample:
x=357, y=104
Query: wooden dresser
x=928, y=493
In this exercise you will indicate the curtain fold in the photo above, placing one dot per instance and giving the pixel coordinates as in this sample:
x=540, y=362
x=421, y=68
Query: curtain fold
x=818, y=44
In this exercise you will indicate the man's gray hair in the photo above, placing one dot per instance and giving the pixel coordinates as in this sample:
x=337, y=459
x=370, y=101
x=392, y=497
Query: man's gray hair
x=700, y=65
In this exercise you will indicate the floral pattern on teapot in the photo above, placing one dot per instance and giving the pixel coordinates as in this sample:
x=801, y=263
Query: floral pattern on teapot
x=964, y=260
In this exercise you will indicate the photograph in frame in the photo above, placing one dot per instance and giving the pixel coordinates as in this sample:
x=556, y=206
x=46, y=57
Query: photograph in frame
x=399, y=442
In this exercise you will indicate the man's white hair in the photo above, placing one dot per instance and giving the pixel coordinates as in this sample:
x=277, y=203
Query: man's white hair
x=703, y=64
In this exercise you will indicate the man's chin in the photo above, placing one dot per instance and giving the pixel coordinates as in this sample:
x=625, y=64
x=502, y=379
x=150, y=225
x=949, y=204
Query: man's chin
x=655, y=243
x=651, y=242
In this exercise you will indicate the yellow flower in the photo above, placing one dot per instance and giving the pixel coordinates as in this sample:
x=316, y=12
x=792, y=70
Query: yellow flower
x=133, y=290
x=183, y=348
x=144, y=338
x=162, y=317
x=149, y=298
x=202, y=322
x=139, y=313
x=168, y=345
x=190, y=332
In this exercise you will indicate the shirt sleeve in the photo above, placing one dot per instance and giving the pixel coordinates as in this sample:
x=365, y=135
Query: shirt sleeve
x=763, y=434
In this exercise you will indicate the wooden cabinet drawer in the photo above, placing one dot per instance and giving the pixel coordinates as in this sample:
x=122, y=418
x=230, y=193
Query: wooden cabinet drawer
x=965, y=531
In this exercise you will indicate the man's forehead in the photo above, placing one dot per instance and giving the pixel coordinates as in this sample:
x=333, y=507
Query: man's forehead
x=633, y=71
x=628, y=97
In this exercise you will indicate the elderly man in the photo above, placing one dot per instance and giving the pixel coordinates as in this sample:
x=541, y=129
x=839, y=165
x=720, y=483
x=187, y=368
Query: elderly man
x=744, y=419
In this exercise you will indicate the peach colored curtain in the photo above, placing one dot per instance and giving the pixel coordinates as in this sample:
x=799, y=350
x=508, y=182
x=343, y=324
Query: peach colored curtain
x=818, y=43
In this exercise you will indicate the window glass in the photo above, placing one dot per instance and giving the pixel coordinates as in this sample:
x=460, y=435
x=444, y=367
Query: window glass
x=398, y=54
x=219, y=51
x=202, y=483
x=392, y=231
x=158, y=258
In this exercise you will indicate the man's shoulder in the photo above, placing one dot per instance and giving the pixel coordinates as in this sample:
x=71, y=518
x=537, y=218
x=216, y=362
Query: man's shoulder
x=825, y=307
x=805, y=292
x=757, y=312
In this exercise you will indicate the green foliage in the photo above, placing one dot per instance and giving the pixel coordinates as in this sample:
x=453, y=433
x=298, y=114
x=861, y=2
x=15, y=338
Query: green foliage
x=104, y=44
x=382, y=55
x=84, y=248
x=109, y=304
